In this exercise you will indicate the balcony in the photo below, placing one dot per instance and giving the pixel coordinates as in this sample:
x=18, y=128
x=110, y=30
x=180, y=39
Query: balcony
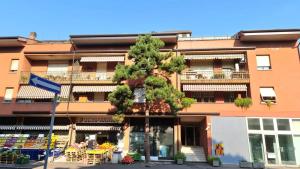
x=213, y=77
x=69, y=77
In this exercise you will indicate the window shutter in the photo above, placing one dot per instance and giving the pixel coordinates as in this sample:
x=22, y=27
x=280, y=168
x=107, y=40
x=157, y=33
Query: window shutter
x=14, y=65
x=8, y=94
x=263, y=61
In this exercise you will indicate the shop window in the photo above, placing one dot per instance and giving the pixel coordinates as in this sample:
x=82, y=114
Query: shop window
x=256, y=145
x=268, y=124
x=296, y=125
x=263, y=62
x=283, y=124
x=267, y=94
x=8, y=94
x=253, y=124
x=14, y=66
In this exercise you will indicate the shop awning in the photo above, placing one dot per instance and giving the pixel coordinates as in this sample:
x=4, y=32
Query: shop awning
x=30, y=92
x=98, y=128
x=214, y=56
x=267, y=92
x=7, y=127
x=83, y=89
x=222, y=87
x=102, y=59
x=23, y=127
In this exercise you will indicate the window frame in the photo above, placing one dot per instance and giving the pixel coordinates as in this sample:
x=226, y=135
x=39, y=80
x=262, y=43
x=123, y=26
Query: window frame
x=11, y=68
x=263, y=68
x=262, y=100
x=5, y=100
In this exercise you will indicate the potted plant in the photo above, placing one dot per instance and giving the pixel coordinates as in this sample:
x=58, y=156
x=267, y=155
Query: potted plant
x=245, y=164
x=243, y=103
x=180, y=158
x=258, y=165
x=214, y=161
x=269, y=103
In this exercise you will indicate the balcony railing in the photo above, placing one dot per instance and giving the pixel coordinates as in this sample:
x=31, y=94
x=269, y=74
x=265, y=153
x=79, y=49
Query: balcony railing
x=211, y=76
x=66, y=77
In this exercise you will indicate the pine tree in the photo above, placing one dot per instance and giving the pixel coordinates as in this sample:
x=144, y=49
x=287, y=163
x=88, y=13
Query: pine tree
x=151, y=70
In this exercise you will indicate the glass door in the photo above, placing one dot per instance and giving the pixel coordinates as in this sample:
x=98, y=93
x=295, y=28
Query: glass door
x=287, y=151
x=297, y=147
x=271, y=153
x=256, y=146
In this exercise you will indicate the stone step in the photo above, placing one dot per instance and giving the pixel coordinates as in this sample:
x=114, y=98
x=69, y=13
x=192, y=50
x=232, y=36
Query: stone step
x=194, y=154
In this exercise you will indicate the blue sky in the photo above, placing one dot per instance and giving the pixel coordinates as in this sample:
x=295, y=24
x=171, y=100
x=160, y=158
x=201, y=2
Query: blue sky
x=57, y=19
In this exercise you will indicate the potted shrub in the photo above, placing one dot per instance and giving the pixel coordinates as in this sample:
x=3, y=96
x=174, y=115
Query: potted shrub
x=245, y=164
x=259, y=165
x=214, y=161
x=180, y=158
x=219, y=76
x=243, y=103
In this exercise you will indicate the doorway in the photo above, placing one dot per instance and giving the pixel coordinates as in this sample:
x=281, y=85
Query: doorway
x=271, y=150
x=190, y=136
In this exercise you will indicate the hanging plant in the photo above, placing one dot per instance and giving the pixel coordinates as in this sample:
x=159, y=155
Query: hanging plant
x=243, y=103
x=269, y=103
x=118, y=118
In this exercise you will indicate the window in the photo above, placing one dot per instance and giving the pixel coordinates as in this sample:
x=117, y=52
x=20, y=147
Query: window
x=253, y=124
x=268, y=124
x=8, y=94
x=296, y=125
x=139, y=95
x=57, y=69
x=267, y=94
x=263, y=62
x=14, y=66
x=229, y=97
x=283, y=124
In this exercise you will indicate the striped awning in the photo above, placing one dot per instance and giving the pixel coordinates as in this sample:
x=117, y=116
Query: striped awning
x=7, y=127
x=223, y=87
x=214, y=56
x=102, y=59
x=30, y=92
x=23, y=127
x=83, y=89
x=98, y=128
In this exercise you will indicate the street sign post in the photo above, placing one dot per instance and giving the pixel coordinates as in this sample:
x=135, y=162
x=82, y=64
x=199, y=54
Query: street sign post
x=55, y=88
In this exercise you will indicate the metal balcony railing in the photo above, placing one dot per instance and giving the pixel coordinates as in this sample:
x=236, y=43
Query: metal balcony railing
x=211, y=75
x=65, y=77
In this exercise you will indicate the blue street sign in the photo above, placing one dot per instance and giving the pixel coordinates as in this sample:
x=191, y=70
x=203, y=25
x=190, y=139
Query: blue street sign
x=45, y=84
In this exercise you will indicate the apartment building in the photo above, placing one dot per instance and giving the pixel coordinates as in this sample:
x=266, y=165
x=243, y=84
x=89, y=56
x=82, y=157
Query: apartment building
x=260, y=64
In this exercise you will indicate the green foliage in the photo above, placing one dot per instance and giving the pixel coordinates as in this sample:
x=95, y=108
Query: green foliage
x=136, y=156
x=176, y=65
x=122, y=98
x=121, y=73
x=155, y=68
x=187, y=102
x=118, y=118
x=219, y=76
x=210, y=159
x=269, y=103
x=243, y=103
x=179, y=155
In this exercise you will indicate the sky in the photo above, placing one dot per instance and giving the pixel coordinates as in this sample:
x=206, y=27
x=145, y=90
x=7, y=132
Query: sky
x=57, y=19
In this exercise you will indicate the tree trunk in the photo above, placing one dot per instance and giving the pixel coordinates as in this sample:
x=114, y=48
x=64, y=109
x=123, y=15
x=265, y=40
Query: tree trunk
x=146, y=139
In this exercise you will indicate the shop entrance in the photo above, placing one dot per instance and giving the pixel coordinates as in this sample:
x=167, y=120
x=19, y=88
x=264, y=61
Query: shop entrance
x=190, y=136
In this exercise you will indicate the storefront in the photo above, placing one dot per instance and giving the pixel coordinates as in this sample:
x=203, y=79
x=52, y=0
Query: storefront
x=274, y=141
x=161, y=137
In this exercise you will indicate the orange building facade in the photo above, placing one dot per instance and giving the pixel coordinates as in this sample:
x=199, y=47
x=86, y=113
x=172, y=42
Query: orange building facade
x=259, y=64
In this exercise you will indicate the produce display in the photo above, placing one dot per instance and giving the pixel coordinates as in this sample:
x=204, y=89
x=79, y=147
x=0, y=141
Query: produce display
x=8, y=157
x=96, y=151
x=127, y=160
x=26, y=141
x=106, y=145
